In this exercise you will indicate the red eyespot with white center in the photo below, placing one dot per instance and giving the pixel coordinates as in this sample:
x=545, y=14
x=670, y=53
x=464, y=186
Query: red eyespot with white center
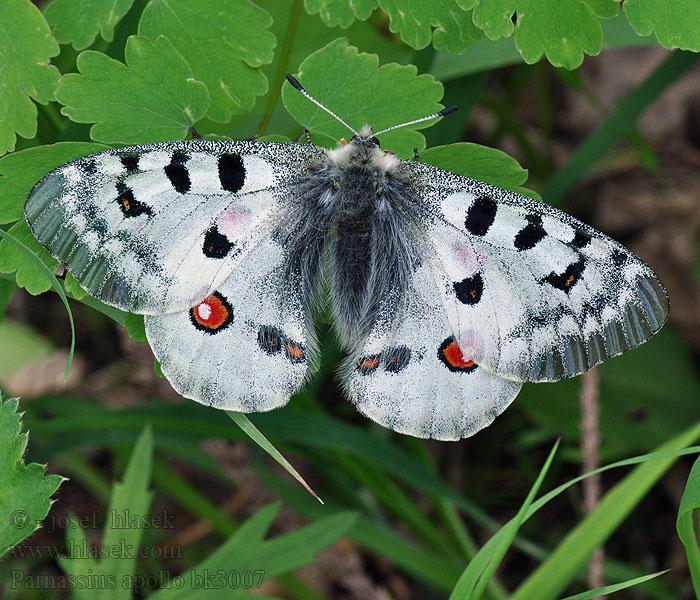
x=453, y=358
x=212, y=314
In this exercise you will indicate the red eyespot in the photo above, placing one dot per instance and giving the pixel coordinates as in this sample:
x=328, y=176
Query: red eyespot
x=212, y=314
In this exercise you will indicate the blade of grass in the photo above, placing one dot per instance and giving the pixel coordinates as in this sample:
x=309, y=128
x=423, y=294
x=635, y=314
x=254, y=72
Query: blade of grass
x=619, y=120
x=562, y=565
x=690, y=501
x=474, y=579
x=244, y=423
x=59, y=290
x=616, y=587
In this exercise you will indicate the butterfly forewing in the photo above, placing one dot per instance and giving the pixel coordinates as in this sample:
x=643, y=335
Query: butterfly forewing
x=157, y=228
x=531, y=293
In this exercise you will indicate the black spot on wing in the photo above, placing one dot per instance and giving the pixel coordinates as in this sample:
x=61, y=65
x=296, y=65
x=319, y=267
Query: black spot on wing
x=130, y=206
x=88, y=166
x=530, y=235
x=130, y=161
x=177, y=172
x=469, y=290
x=216, y=244
x=397, y=359
x=581, y=239
x=231, y=172
x=619, y=258
x=480, y=215
x=273, y=341
x=567, y=280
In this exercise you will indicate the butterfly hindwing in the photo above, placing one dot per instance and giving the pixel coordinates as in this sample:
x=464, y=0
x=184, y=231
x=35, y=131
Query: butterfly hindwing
x=157, y=228
x=531, y=293
x=246, y=347
x=411, y=376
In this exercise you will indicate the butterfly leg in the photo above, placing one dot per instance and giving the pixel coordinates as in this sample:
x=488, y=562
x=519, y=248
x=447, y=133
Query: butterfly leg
x=415, y=154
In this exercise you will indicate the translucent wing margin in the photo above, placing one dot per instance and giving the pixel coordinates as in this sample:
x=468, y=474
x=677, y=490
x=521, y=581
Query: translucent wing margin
x=531, y=293
x=157, y=228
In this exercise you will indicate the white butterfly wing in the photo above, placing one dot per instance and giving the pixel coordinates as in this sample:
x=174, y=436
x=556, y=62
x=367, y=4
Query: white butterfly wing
x=157, y=228
x=531, y=293
x=244, y=348
x=410, y=375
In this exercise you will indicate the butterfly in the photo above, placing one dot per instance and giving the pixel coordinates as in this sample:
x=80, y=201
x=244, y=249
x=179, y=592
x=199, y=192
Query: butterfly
x=447, y=293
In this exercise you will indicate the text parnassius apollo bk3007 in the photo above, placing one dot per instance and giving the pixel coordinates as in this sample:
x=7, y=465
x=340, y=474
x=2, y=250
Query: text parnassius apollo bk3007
x=447, y=293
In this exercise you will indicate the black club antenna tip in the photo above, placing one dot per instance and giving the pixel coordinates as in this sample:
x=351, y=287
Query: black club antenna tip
x=448, y=110
x=295, y=83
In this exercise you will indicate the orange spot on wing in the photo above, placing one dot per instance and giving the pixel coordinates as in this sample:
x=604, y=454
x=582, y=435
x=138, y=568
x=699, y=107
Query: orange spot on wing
x=211, y=312
x=294, y=351
x=454, y=356
x=370, y=363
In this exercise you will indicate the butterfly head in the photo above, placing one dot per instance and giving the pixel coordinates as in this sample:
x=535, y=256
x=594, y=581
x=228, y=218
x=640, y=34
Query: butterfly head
x=365, y=137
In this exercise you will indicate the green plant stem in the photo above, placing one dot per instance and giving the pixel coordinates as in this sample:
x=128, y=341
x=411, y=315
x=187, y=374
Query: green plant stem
x=274, y=94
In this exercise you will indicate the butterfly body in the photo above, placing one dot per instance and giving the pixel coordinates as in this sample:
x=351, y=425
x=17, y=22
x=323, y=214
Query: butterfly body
x=447, y=293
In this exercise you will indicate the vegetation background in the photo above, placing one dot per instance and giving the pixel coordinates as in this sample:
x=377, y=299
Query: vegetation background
x=613, y=139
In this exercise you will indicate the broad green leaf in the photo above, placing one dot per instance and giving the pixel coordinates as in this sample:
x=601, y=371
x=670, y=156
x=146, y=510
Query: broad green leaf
x=605, y=9
x=690, y=503
x=125, y=516
x=26, y=47
x=353, y=85
x=152, y=99
x=20, y=171
x=478, y=162
x=224, y=42
x=674, y=23
x=13, y=259
x=340, y=12
x=78, y=22
x=563, y=30
x=25, y=490
x=73, y=288
x=454, y=28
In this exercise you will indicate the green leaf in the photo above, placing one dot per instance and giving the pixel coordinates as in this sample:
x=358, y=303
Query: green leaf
x=548, y=580
x=472, y=583
x=73, y=288
x=25, y=490
x=256, y=435
x=152, y=99
x=340, y=13
x=478, y=162
x=78, y=22
x=245, y=550
x=454, y=27
x=20, y=171
x=353, y=85
x=135, y=327
x=610, y=589
x=223, y=41
x=125, y=518
x=690, y=501
x=674, y=23
x=25, y=73
x=14, y=259
x=563, y=30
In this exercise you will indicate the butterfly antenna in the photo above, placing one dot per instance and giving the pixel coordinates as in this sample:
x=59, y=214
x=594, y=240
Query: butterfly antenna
x=298, y=86
x=440, y=113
